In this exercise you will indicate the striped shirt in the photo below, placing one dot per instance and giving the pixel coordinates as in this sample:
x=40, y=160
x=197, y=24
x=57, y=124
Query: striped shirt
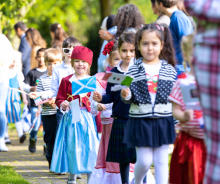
x=44, y=84
x=193, y=127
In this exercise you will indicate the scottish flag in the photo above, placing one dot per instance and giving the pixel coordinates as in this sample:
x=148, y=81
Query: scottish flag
x=26, y=116
x=84, y=85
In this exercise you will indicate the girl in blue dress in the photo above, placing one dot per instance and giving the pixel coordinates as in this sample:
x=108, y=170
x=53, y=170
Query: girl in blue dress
x=77, y=142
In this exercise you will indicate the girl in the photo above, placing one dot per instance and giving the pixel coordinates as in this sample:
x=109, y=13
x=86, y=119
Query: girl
x=150, y=128
x=188, y=159
x=117, y=151
x=76, y=144
x=36, y=42
x=13, y=104
x=105, y=172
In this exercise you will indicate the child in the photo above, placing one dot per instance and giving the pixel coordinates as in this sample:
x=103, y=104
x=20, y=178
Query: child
x=13, y=104
x=117, y=151
x=189, y=155
x=180, y=26
x=52, y=57
x=105, y=172
x=32, y=79
x=150, y=128
x=76, y=144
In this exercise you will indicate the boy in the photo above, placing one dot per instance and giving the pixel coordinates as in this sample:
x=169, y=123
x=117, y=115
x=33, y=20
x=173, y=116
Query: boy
x=180, y=25
x=52, y=58
x=32, y=80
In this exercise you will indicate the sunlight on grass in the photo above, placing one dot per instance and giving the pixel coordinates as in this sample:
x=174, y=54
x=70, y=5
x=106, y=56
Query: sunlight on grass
x=8, y=175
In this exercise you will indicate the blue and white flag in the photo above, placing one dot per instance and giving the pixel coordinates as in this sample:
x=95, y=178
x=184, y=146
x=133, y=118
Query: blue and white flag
x=84, y=85
x=26, y=116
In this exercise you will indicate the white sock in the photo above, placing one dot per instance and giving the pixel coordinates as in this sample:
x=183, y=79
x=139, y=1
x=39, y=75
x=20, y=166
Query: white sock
x=143, y=163
x=19, y=128
x=6, y=132
x=72, y=177
x=88, y=177
x=26, y=127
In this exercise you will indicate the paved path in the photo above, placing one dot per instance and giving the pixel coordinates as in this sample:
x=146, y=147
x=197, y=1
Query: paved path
x=33, y=167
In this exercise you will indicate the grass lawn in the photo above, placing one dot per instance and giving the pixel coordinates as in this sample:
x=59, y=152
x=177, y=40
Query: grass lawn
x=9, y=176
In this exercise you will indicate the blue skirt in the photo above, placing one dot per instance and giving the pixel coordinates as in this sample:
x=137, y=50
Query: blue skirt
x=76, y=146
x=13, y=107
x=149, y=132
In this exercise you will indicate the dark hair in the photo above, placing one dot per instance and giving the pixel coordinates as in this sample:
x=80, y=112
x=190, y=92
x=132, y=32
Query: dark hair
x=34, y=38
x=20, y=25
x=114, y=48
x=70, y=41
x=167, y=52
x=40, y=50
x=153, y=2
x=59, y=35
x=168, y=3
x=128, y=16
x=128, y=37
x=110, y=21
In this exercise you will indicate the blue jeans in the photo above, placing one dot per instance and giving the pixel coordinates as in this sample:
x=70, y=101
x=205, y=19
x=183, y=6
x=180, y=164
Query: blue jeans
x=3, y=98
x=33, y=134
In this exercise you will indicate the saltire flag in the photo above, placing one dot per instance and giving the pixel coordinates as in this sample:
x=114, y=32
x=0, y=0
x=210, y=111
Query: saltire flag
x=84, y=85
x=117, y=78
x=26, y=116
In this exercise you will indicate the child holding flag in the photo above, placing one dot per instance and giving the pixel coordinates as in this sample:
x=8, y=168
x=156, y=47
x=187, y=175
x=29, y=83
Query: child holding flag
x=77, y=142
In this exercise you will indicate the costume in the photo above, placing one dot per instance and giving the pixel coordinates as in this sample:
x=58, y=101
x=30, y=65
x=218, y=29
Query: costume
x=206, y=66
x=104, y=172
x=76, y=144
x=189, y=155
x=150, y=128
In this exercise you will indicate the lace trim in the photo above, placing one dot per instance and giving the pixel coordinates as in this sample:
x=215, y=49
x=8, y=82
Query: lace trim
x=106, y=120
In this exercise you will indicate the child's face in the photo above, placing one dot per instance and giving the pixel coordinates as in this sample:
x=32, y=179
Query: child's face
x=127, y=51
x=114, y=59
x=40, y=59
x=68, y=52
x=150, y=46
x=50, y=66
x=80, y=67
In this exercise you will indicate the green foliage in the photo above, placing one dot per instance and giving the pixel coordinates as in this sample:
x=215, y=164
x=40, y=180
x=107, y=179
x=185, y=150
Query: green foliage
x=8, y=175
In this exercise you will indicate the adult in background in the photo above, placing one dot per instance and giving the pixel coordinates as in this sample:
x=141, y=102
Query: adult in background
x=36, y=42
x=58, y=35
x=24, y=47
x=207, y=72
x=6, y=59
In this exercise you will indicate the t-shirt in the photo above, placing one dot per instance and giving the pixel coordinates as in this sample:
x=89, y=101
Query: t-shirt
x=193, y=128
x=32, y=79
x=180, y=26
x=44, y=84
x=152, y=74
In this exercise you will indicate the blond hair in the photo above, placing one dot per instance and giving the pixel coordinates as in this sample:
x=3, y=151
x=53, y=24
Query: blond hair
x=52, y=55
x=88, y=71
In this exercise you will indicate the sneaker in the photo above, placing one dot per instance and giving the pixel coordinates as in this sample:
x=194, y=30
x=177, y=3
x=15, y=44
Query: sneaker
x=44, y=149
x=22, y=138
x=79, y=176
x=7, y=140
x=3, y=147
x=32, y=145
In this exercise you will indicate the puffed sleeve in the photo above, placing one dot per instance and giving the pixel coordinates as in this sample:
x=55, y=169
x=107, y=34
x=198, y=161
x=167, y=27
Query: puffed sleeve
x=62, y=93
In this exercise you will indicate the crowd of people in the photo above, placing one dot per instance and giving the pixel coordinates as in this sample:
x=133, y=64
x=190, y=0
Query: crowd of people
x=115, y=133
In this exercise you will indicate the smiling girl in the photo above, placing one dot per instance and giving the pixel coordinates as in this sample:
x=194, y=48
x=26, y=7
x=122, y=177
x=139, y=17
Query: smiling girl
x=150, y=128
x=76, y=144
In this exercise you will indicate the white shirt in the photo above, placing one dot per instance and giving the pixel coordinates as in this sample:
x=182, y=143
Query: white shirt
x=59, y=72
x=152, y=74
x=120, y=63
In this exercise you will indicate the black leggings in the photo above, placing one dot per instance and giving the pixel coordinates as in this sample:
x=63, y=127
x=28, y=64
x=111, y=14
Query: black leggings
x=124, y=171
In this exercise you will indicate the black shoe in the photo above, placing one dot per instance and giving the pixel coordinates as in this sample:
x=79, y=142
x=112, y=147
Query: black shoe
x=32, y=145
x=44, y=149
x=22, y=138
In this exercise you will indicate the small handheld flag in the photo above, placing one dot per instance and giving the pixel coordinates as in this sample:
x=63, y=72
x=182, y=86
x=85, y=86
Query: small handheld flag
x=84, y=85
x=116, y=78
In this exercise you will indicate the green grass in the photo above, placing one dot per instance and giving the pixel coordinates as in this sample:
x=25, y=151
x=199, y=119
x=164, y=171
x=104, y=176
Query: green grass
x=9, y=176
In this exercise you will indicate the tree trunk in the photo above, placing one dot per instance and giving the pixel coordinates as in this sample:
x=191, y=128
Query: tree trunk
x=105, y=8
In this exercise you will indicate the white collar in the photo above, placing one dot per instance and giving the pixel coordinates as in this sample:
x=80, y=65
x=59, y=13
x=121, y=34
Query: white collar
x=66, y=66
x=41, y=70
x=120, y=63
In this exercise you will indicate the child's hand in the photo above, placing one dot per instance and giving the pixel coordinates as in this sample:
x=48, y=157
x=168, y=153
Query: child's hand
x=97, y=96
x=53, y=105
x=65, y=106
x=125, y=92
x=188, y=115
x=101, y=107
x=37, y=113
x=34, y=95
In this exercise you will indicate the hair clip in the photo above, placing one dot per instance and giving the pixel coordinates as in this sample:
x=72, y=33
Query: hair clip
x=142, y=25
x=158, y=27
x=162, y=28
x=108, y=48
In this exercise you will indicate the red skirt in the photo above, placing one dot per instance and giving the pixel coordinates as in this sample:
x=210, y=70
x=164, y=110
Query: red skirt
x=187, y=164
x=98, y=123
